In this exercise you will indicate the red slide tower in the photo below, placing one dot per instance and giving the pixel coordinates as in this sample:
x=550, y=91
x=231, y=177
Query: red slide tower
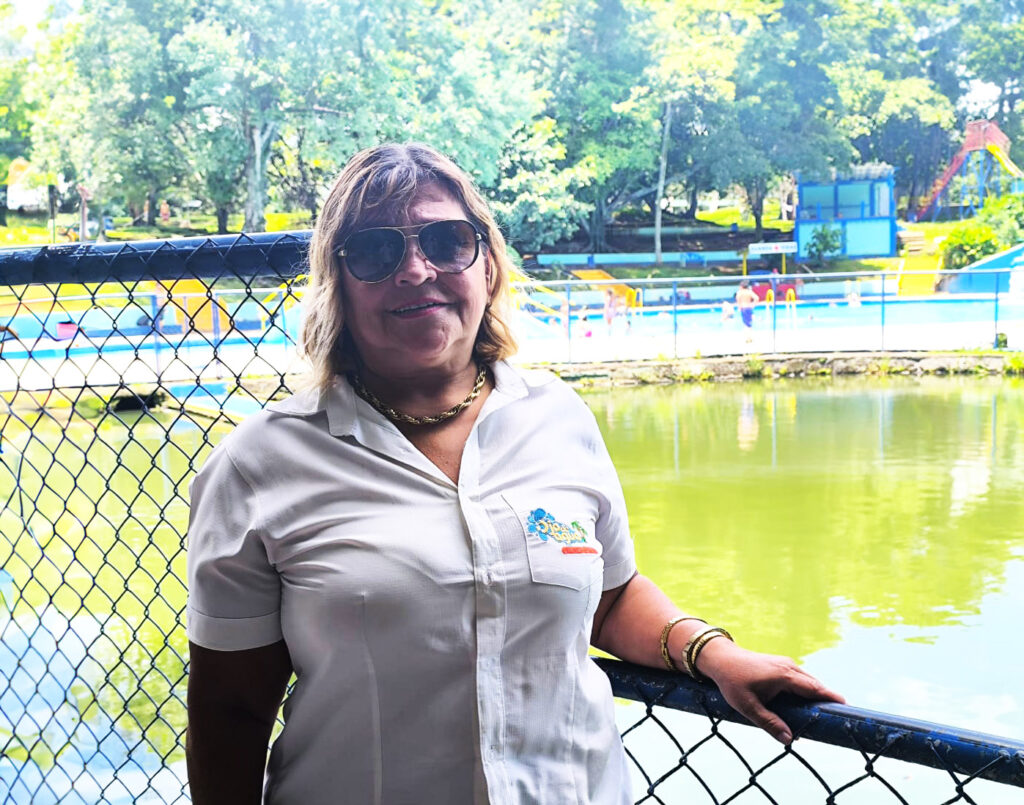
x=983, y=163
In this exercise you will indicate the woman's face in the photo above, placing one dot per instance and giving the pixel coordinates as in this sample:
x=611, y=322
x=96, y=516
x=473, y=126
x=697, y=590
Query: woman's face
x=418, y=321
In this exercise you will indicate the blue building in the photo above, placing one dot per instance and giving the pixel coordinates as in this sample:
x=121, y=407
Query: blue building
x=862, y=207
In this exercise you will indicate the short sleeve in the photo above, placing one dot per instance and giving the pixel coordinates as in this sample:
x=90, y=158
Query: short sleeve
x=613, y=522
x=234, y=593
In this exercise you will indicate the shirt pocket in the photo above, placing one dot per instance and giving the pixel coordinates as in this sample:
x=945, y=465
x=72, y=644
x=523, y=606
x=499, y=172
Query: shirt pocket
x=559, y=531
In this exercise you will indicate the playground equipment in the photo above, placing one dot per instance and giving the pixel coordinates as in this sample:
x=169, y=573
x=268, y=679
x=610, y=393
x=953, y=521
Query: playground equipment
x=914, y=284
x=553, y=299
x=984, y=168
x=621, y=290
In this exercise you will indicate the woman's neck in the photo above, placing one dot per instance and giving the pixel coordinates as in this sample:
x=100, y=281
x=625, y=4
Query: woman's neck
x=422, y=394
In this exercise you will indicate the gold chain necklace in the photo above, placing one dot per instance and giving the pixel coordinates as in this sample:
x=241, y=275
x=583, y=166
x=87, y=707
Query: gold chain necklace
x=400, y=416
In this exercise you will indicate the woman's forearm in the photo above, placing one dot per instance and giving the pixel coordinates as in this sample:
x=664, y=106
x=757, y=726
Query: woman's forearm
x=227, y=755
x=233, y=699
x=631, y=627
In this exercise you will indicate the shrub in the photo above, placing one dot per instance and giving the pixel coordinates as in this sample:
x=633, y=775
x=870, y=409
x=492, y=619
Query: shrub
x=754, y=367
x=826, y=241
x=1006, y=217
x=968, y=243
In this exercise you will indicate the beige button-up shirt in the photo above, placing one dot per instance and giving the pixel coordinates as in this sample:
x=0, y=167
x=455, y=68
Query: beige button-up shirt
x=439, y=632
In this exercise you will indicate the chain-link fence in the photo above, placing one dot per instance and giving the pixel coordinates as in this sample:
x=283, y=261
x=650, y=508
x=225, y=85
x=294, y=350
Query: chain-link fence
x=121, y=365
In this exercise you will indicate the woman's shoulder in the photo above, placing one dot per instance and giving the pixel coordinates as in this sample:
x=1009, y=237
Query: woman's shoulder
x=258, y=431
x=544, y=386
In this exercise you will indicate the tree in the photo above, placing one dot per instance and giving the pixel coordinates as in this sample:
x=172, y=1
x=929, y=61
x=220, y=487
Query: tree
x=535, y=200
x=893, y=111
x=114, y=119
x=15, y=110
x=905, y=123
x=590, y=57
x=787, y=107
x=697, y=46
x=993, y=46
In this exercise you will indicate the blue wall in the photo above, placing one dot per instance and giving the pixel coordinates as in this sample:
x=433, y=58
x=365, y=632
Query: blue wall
x=969, y=281
x=864, y=209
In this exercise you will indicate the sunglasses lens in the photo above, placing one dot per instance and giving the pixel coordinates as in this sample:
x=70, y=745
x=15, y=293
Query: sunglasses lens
x=373, y=254
x=451, y=246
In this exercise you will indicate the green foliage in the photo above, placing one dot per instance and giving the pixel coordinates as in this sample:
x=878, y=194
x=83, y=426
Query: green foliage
x=968, y=243
x=825, y=242
x=753, y=368
x=998, y=226
x=535, y=199
x=1006, y=218
x=565, y=111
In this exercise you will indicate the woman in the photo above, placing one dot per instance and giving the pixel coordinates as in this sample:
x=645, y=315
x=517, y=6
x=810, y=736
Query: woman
x=428, y=538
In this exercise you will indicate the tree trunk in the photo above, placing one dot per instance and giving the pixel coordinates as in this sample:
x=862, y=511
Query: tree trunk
x=597, y=242
x=3, y=205
x=691, y=210
x=755, y=196
x=222, y=220
x=260, y=138
x=598, y=239
x=151, y=208
x=666, y=131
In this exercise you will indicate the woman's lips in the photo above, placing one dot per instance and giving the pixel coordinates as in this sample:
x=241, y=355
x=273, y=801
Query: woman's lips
x=416, y=309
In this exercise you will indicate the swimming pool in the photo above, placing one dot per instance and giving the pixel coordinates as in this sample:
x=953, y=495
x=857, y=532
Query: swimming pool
x=123, y=350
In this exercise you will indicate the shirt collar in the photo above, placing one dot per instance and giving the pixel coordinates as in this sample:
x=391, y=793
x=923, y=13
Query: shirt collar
x=340, y=400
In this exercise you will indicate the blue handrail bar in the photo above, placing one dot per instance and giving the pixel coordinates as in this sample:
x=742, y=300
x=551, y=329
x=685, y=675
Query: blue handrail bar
x=939, y=746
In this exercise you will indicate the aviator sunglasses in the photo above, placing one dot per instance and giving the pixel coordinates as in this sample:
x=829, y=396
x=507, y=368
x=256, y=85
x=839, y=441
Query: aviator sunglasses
x=373, y=255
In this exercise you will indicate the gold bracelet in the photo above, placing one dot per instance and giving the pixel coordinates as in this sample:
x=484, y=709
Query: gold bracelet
x=665, y=655
x=696, y=644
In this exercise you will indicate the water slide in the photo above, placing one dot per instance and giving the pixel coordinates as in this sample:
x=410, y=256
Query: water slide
x=981, y=135
x=1005, y=161
x=554, y=300
x=631, y=295
x=940, y=184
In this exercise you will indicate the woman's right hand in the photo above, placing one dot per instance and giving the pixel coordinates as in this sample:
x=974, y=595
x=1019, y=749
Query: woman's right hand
x=749, y=680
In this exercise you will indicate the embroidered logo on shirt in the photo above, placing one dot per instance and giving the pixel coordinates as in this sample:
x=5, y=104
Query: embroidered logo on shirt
x=545, y=526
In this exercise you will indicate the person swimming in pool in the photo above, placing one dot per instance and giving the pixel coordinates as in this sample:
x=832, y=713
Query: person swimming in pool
x=746, y=300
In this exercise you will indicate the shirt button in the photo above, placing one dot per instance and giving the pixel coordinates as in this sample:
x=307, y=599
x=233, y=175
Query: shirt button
x=488, y=578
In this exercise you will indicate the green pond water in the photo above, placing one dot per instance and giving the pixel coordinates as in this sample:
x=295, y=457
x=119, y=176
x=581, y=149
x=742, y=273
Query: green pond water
x=873, y=529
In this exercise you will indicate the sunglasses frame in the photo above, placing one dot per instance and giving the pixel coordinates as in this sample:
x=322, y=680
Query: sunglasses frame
x=478, y=239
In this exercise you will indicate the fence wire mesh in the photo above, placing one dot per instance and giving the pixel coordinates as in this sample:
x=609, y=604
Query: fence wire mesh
x=121, y=366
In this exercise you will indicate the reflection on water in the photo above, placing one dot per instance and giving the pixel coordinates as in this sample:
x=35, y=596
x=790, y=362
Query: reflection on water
x=873, y=529
x=92, y=648
x=867, y=527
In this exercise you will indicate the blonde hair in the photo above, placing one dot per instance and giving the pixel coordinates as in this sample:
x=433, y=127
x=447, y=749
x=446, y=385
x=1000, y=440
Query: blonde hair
x=375, y=187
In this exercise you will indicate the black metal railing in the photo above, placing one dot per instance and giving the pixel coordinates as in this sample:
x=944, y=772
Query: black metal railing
x=121, y=365
x=873, y=744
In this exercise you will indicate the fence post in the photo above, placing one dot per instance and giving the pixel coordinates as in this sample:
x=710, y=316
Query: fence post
x=675, y=321
x=882, y=345
x=568, y=323
x=154, y=318
x=995, y=312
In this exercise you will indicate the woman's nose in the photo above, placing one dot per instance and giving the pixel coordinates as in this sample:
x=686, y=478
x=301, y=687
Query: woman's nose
x=414, y=268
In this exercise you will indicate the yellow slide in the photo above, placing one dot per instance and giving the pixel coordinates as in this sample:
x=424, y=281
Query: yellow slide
x=554, y=297
x=917, y=284
x=631, y=295
x=1005, y=161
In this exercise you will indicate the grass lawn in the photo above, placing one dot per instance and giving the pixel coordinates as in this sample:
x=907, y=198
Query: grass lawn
x=727, y=216
x=32, y=230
